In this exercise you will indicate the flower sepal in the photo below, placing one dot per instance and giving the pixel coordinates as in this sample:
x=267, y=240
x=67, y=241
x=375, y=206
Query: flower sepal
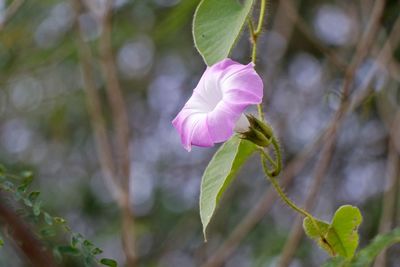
x=259, y=132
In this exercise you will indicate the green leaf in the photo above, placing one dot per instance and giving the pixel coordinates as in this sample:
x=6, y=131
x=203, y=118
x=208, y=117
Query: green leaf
x=89, y=261
x=26, y=182
x=7, y=186
x=219, y=174
x=108, y=262
x=345, y=228
x=33, y=196
x=27, y=175
x=47, y=232
x=341, y=236
x=68, y=250
x=1, y=241
x=217, y=25
x=59, y=220
x=318, y=234
x=367, y=255
x=337, y=262
x=57, y=255
x=88, y=244
x=2, y=169
x=47, y=218
x=37, y=207
x=76, y=239
x=97, y=251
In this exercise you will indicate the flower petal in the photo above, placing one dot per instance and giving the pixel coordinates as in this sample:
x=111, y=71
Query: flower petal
x=245, y=82
x=193, y=128
x=224, y=91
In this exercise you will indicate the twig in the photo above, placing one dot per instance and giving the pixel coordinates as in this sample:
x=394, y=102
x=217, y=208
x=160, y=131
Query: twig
x=10, y=12
x=34, y=251
x=94, y=108
x=294, y=16
x=116, y=173
x=121, y=126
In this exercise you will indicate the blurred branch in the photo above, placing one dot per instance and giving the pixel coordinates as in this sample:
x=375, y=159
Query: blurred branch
x=293, y=15
x=364, y=45
x=116, y=171
x=35, y=252
x=94, y=108
x=391, y=191
x=121, y=126
x=10, y=12
x=322, y=165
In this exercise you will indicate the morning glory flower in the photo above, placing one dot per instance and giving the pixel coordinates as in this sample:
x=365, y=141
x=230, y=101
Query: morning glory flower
x=215, y=110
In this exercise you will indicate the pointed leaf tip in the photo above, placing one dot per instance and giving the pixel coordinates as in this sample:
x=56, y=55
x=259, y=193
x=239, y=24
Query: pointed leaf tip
x=219, y=174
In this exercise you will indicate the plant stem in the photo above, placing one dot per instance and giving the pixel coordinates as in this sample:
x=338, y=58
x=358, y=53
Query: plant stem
x=280, y=192
x=255, y=33
x=267, y=157
x=272, y=178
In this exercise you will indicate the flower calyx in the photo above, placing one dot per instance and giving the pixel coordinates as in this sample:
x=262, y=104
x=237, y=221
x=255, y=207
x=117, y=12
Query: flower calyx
x=259, y=132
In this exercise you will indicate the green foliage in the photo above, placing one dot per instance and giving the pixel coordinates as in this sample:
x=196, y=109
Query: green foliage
x=108, y=262
x=318, y=234
x=337, y=262
x=79, y=246
x=219, y=174
x=341, y=236
x=367, y=255
x=380, y=242
x=217, y=25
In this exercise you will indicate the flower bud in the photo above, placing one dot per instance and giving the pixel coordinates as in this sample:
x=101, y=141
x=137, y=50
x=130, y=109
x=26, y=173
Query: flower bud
x=259, y=132
x=260, y=126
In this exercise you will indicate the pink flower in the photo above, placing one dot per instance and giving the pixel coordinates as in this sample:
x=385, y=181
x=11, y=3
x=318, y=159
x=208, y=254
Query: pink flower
x=224, y=91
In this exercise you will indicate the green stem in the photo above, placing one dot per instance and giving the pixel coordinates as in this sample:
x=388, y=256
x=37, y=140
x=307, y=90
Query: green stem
x=262, y=15
x=278, y=155
x=268, y=157
x=272, y=178
x=280, y=192
x=254, y=37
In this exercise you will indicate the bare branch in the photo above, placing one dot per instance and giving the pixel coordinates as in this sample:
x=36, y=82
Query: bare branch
x=116, y=173
x=10, y=12
x=294, y=16
x=94, y=108
x=121, y=126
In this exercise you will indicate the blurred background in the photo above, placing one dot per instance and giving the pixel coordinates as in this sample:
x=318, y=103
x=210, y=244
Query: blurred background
x=52, y=52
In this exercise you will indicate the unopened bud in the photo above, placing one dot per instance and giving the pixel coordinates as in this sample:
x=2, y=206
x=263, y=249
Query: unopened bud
x=260, y=126
x=259, y=132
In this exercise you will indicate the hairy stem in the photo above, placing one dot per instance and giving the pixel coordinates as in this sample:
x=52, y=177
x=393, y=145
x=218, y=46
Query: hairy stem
x=255, y=33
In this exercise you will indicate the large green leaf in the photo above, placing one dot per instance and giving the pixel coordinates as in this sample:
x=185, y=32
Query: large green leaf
x=219, y=174
x=367, y=255
x=341, y=236
x=345, y=230
x=217, y=25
